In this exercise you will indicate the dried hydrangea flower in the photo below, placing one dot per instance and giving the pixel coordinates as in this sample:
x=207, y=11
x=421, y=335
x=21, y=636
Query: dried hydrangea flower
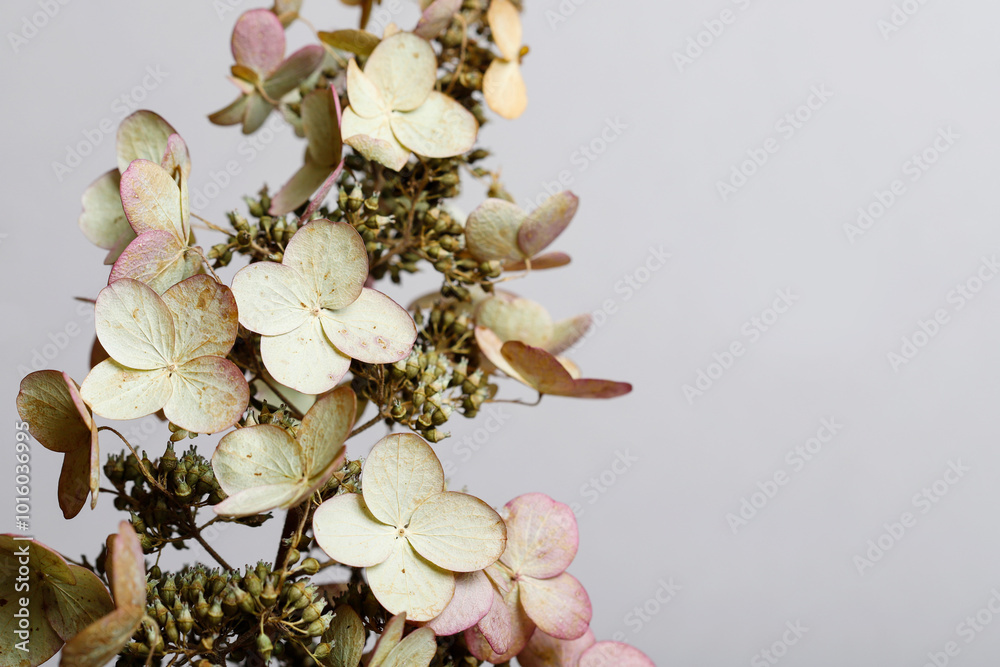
x=417, y=649
x=168, y=352
x=322, y=164
x=543, y=371
x=101, y=641
x=157, y=209
x=533, y=588
x=546, y=651
x=502, y=231
x=143, y=135
x=63, y=599
x=395, y=110
x=314, y=313
x=262, y=73
x=263, y=467
x=471, y=602
x=503, y=85
x=410, y=534
x=50, y=402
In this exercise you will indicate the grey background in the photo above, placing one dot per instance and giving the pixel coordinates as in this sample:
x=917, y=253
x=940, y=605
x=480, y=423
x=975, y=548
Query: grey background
x=661, y=521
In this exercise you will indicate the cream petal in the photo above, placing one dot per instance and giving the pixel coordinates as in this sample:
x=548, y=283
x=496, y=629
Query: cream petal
x=349, y=534
x=272, y=299
x=152, y=200
x=440, y=127
x=257, y=456
x=491, y=231
x=205, y=318
x=416, y=650
x=103, y=219
x=210, y=394
x=401, y=472
x=364, y=96
x=331, y=259
x=403, y=68
x=558, y=606
x=142, y=136
x=323, y=431
x=116, y=392
x=504, y=89
x=514, y=318
x=374, y=329
x=505, y=24
x=457, y=532
x=407, y=582
x=304, y=359
x=373, y=138
x=157, y=259
x=49, y=401
x=134, y=325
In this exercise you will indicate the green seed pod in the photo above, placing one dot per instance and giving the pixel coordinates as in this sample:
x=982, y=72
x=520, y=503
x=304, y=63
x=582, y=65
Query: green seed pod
x=252, y=583
x=269, y=596
x=313, y=611
x=309, y=566
x=185, y=621
x=201, y=607
x=215, y=614
x=355, y=200
x=293, y=556
x=264, y=647
x=170, y=630
x=322, y=651
x=168, y=590
x=229, y=601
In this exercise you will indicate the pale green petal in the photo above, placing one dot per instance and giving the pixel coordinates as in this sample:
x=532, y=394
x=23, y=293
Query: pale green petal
x=304, y=359
x=401, y=472
x=349, y=534
x=116, y=392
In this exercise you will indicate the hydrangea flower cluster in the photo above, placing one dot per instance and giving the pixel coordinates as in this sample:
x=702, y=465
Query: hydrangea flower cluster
x=298, y=356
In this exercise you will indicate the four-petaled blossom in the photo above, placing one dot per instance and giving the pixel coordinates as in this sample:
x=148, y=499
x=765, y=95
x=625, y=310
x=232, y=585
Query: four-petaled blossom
x=143, y=135
x=262, y=73
x=532, y=588
x=262, y=467
x=314, y=313
x=50, y=402
x=503, y=85
x=168, y=352
x=395, y=109
x=101, y=641
x=410, y=534
x=543, y=371
x=502, y=231
x=546, y=651
x=58, y=600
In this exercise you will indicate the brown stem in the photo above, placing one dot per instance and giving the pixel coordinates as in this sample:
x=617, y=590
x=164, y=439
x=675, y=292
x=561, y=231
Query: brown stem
x=142, y=468
x=212, y=552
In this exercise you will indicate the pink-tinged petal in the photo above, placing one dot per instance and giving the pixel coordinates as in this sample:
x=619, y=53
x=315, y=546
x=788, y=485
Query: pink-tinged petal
x=400, y=473
x=304, y=359
x=440, y=127
x=550, y=260
x=491, y=231
x=359, y=42
x=103, y=219
x=567, y=332
x=503, y=632
x=49, y=401
x=101, y=641
x=543, y=371
x=373, y=138
x=471, y=602
x=542, y=536
x=74, y=481
x=547, y=222
x=232, y=114
x=490, y=346
x=116, y=392
x=134, y=325
x=259, y=41
x=546, y=651
x=513, y=318
x=157, y=259
x=457, y=531
x=257, y=111
x=152, y=200
x=406, y=581
x=272, y=298
x=404, y=68
x=332, y=261
x=349, y=534
x=614, y=654
x=127, y=569
x=363, y=95
x=176, y=159
x=300, y=187
x=293, y=71
x=558, y=606
x=205, y=318
x=374, y=329
x=436, y=18
x=321, y=123
x=209, y=394
x=142, y=136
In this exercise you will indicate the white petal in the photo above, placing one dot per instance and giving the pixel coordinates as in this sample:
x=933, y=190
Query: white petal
x=401, y=471
x=457, y=531
x=116, y=392
x=374, y=329
x=440, y=127
x=363, y=94
x=254, y=456
x=407, y=582
x=505, y=23
x=373, y=138
x=323, y=431
x=210, y=394
x=331, y=259
x=304, y=359
x=272, y=298
x=134, y=325
x=349, y=534
x=205, y=318
x=403, y=68
x=504, y=89
x=261, y=499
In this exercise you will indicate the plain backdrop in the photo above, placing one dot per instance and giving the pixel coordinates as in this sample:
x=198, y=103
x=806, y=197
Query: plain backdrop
x=717, y=521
